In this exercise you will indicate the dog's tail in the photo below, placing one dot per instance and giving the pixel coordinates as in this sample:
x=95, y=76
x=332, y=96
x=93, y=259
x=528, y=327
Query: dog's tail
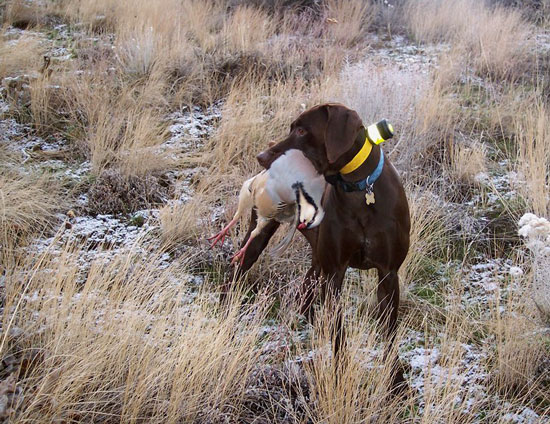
x=282, y=246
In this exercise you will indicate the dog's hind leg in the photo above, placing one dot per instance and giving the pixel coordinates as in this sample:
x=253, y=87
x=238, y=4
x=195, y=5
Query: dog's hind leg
x=258, y=244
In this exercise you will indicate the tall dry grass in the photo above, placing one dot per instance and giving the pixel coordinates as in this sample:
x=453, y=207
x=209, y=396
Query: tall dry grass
x=491, y=39
x=533, y=155
x=348, y=21
x=181, y=222
x=468, y=161
x=22, y=14
x=117, y=122
x=254, y=114
x=429, y=237
x=27, y=208
x=357, y=388
x=519, y=347
x=246, y=29
x=21, y=57
x=124, y=342
x=168, y=53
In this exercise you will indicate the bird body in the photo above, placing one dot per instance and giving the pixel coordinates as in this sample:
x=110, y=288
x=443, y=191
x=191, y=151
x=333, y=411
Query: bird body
x=289, y=191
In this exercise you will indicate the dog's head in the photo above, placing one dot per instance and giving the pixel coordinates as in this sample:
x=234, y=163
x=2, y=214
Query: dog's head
x=325, y=133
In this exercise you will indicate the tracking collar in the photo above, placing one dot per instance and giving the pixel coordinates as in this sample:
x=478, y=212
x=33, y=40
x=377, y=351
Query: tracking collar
x=358, y=159
x=365, y=184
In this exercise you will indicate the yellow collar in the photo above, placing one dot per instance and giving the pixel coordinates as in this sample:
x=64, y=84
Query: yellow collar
x=358, y=159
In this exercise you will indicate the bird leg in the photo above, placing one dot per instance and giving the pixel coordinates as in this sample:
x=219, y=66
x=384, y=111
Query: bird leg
x=238, y=258
x=245, y=201
x=223, y=233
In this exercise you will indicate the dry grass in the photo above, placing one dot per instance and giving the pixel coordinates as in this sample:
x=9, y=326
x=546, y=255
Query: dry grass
x=347, y=21
x=146, y=347
x=519, y=346
x=151, y=350
x=533, y=155
x=127, y=339
x=492, y=39
x=23, y=14
x=254, y=114
x=21, y=57
x=359, y=390
x=119, y=124
x=27, y=207
x=467, y=161
x=246, y=28
x=428, y=237
x=180, y=221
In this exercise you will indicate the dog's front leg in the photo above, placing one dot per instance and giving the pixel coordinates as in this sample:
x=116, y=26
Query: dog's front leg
x=331, y=285
x=308, y=292
x=256, y=247
x=387, y=294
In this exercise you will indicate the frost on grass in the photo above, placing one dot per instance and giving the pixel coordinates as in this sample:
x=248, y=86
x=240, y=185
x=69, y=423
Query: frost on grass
x=370, y=90
x=536, y=232
x=100, y=238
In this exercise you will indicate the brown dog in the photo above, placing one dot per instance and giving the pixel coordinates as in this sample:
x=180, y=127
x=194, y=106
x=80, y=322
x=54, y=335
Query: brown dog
x=352, y=233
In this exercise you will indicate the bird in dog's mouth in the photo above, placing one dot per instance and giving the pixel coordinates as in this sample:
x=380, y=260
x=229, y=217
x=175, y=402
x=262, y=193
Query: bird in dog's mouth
x=290, y=191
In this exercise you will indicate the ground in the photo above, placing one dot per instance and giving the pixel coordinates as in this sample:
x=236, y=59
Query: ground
x=125, y=148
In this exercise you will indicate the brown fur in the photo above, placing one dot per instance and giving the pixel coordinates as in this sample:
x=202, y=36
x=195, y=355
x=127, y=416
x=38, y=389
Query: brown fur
x=352, y=233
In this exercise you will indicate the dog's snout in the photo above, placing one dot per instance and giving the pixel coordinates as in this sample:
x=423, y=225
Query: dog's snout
x=264, y=158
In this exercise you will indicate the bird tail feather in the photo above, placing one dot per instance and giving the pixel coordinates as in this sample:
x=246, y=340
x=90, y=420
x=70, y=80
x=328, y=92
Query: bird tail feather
x=282, y=246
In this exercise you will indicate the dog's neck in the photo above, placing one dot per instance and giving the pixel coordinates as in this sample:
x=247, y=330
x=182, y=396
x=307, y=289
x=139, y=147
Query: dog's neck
x=368, y=165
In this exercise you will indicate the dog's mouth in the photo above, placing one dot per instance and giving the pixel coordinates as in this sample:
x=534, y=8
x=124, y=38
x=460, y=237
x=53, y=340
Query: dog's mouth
x=302, y=226
x=267, y=157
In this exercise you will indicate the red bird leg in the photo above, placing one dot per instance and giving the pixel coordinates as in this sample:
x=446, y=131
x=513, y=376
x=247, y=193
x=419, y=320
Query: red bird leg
x=222, y=234
x=239, y=256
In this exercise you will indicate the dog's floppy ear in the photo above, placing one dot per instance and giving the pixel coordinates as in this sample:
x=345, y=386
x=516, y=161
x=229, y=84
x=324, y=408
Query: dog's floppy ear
x=343, y=125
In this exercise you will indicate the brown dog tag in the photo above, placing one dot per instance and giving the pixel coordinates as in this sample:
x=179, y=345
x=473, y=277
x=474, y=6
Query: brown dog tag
x=369, y=197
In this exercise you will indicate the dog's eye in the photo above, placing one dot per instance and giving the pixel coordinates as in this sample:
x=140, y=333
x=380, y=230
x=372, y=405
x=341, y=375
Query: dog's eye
x=300, y=131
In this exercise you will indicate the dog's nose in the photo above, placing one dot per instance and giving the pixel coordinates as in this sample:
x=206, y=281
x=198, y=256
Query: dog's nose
x=264, y=158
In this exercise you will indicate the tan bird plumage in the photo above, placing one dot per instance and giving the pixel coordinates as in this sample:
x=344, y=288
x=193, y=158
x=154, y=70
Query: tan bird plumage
x=290, y=191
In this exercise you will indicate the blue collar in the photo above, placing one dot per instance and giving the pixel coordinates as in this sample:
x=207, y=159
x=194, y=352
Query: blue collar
x=365, y=184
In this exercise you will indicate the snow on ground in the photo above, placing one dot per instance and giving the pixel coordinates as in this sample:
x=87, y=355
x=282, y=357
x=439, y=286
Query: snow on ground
x=488, y=280
x=190, y=128
x=406, y=55
x=500, y=185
